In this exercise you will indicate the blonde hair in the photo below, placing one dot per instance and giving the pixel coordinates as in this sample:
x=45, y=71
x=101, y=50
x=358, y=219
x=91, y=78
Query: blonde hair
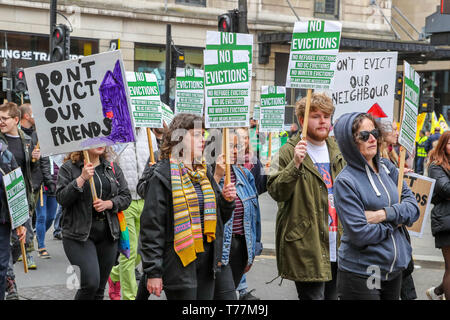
x=319, y=101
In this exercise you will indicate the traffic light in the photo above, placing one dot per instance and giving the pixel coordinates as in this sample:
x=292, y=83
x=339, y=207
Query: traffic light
x=426, y=104
x=177, y=60
x=60, y=43
x=399, y=86
x=20, y=84
x=229, y=22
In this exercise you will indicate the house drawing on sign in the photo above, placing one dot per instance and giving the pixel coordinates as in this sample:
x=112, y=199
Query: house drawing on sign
x=115, y=106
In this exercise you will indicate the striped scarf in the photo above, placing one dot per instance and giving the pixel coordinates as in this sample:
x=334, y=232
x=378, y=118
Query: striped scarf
x=188, y=236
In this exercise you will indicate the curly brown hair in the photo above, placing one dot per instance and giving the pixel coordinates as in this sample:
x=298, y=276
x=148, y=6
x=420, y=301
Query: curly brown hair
x=319, y=101
x=184, y=121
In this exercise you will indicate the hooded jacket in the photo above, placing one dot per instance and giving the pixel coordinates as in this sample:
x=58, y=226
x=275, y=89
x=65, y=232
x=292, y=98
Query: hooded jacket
x=159, y=259
x=359, y=188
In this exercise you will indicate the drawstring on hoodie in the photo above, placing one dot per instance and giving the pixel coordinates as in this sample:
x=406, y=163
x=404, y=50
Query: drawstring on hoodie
x=369, y=175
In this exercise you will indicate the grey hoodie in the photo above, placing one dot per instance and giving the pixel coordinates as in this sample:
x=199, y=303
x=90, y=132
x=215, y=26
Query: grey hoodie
x=365, y=247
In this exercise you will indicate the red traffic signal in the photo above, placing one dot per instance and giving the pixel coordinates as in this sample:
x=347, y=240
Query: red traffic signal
x=228, y=22
x=19, y=81
x=60, y=43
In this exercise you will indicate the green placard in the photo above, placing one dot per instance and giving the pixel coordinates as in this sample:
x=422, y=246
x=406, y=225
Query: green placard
x=16, y=196
x=190, y=93
x=273, y=102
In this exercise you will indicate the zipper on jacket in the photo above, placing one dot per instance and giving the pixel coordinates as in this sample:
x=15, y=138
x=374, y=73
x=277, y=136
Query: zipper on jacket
x=392, y=235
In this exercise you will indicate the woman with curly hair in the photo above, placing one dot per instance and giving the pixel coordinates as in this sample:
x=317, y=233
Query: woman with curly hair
x=90, y=228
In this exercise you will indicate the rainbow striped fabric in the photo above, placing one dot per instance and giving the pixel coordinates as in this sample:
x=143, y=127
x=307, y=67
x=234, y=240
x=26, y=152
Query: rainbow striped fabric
x=124, y=238
x=188, y=236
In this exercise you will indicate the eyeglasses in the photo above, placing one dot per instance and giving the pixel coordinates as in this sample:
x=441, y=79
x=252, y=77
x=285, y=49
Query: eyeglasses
x=365, y=135
x=3, y=119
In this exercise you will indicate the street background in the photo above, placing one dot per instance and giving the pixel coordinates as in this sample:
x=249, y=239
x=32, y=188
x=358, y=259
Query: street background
x=55, y=279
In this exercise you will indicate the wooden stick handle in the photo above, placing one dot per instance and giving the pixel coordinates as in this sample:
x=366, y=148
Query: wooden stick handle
x=306, y=117
x=24, y=255
x=91, y=180
x=269, y=152
x=41, y=195
x=401, y=172
x=150, y=146
x=227, y=157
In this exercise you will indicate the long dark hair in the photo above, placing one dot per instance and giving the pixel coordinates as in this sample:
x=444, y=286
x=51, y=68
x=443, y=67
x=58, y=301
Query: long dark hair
x=439, y=155
x=184, y=121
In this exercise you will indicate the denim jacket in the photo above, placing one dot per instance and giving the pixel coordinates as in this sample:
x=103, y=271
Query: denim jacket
x=246, y=191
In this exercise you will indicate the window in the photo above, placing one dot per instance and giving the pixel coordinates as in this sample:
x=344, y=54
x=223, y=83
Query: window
x=328, y=9
x=201, y=3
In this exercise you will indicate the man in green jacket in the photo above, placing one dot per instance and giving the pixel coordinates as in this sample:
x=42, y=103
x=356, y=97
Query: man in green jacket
x=307, y=227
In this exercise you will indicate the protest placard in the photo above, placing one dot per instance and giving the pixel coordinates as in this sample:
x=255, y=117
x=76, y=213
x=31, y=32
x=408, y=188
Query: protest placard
x=80, y=104
x=145, y=100
x=167, y=113
x=364, y=80
x=190, y=91
x=256, y=112
x=227, y=79
x=273, y=105
x=423, y=188
x=16, y=196
x=410, y=107
x=312, y=59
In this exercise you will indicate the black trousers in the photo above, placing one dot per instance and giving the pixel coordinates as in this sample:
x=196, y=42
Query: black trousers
x=229, y=277
x=319, y=290
x=5, y=232
x=95, y=257
x=352, y=286
x=205, y=278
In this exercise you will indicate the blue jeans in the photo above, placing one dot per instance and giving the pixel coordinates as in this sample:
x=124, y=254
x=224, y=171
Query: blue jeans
x=44, y=217
x=57, y=222
x=419, y=165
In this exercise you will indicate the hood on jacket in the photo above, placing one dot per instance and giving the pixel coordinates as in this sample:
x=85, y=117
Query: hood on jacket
x=349, y=149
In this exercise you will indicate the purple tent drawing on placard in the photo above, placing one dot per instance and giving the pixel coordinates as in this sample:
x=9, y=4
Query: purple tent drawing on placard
x=115, y=106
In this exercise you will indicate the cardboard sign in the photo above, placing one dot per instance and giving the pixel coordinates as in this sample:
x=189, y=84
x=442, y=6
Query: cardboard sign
x=312, y=59
x=227, y=79
x=190, y=91
x=16, y=195
x=408, y=127
x=423, y=188
x=145, y=100
x=167, y=114
x=80, y=104
x=273, y=105
x=364, y=80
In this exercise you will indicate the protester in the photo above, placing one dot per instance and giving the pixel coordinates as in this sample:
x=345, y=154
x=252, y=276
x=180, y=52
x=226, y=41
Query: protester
x=389, y=139
x=7, y=164
x=132, y=161
x=307, y=229
x=177, y=256
x=294, y=130
x=421, y=152
x=242, y=234
x=367, y=203
x=90, y=228
x=432, y=140
x=22, y=148
x=439, y=169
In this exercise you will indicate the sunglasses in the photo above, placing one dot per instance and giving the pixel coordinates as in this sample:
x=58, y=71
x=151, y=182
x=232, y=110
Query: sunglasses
x=365, y=135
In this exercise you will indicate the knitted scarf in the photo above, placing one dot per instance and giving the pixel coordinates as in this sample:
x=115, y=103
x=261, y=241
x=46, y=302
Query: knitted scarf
x=188, y=236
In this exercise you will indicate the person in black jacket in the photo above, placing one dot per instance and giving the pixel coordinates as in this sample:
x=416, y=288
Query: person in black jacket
x=7, y=164
x=90, y=228
x=177, y=256
x=439, y=169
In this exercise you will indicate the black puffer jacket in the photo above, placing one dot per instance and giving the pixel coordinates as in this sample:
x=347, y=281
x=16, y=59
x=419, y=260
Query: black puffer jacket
x=76, y=204
x=440, y=214
x=156, y=240
x=7, y=164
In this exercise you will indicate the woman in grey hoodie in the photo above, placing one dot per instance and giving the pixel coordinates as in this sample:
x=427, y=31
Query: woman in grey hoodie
x=374, y=249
